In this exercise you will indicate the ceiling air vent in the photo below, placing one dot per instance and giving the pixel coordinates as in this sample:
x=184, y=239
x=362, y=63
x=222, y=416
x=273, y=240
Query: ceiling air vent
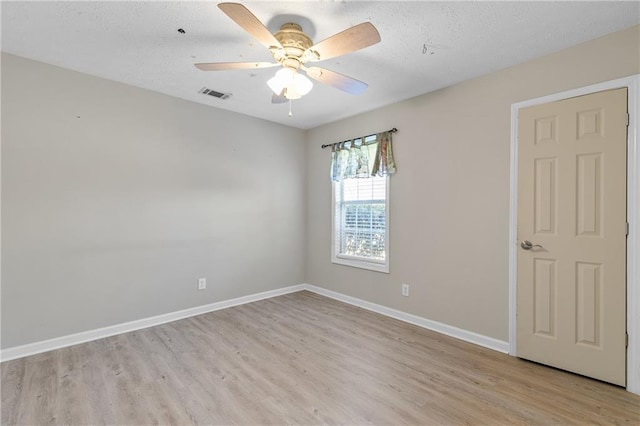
x=214, y=93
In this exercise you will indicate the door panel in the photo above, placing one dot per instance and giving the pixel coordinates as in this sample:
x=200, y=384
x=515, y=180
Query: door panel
x=589, y=182
x=589, y=303
x=571, y=291
x=545, y=196
x=544, y=281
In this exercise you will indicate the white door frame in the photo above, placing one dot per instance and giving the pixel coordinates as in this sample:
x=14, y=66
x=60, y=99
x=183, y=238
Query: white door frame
x=632, y=83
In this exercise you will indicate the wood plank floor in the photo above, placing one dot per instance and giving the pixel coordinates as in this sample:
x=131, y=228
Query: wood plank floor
x=298, y=359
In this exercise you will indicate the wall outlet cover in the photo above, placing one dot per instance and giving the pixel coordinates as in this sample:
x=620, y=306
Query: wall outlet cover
x=405, y=290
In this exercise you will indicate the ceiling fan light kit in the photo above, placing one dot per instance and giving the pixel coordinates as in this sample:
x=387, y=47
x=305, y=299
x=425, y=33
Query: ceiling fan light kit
x=292, y=49
x=294, y=84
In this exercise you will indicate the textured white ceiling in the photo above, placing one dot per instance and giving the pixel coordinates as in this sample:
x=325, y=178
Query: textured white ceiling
x=425, y=45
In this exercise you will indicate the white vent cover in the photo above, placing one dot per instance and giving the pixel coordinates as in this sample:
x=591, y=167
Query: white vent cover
x=214, y=93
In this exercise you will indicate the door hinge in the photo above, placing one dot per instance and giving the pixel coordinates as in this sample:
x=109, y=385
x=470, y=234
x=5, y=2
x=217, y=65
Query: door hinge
x=626, y=339
x=627, y=119
x=627, y=231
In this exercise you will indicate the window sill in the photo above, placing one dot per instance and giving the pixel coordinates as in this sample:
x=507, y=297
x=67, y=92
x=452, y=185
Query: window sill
x=362, y=264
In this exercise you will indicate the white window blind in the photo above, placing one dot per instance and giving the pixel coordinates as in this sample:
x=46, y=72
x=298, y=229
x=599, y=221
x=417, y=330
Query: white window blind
x=360, y=223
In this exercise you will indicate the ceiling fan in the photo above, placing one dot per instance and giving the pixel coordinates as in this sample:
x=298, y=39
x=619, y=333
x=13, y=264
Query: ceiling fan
x=292, y=49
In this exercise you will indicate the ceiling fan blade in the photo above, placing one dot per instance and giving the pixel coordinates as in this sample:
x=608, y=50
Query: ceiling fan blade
x=221, y=66
x=247, y=20
x=279, y=99
x=352, y=39
x=337, y=80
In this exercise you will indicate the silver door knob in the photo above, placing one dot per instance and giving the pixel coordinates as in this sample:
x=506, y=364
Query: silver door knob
x=528, y=245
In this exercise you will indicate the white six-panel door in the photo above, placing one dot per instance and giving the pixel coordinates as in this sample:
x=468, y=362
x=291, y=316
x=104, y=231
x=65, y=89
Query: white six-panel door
x=572, y=234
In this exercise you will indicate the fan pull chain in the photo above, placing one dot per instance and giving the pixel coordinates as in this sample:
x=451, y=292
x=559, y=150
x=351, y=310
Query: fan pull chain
x=290, y=113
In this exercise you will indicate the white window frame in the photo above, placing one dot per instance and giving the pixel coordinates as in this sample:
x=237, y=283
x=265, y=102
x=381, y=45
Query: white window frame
x=355, y=261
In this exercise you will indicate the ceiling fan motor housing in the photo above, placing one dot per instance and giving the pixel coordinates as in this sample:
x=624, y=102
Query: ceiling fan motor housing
x=295, y=43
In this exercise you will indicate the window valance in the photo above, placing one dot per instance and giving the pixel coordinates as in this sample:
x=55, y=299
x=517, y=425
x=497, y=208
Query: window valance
x=363, y=157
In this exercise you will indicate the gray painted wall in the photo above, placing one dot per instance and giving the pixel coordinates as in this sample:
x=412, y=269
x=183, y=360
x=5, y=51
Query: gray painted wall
x=449, y=212
x=115, y=200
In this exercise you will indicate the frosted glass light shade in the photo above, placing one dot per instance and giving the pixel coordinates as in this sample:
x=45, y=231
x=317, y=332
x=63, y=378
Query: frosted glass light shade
x=282, y=79
x=297, y=85
x=302, y=83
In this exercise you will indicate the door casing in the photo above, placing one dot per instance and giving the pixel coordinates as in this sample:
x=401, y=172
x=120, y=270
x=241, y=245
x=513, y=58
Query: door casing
x=632, y=83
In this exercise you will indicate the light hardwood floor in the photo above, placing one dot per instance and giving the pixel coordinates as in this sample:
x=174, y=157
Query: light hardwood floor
x=298, y=359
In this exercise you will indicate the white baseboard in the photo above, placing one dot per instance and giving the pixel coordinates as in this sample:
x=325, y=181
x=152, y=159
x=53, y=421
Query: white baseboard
x=458, y=333
x=87, y=336
x=100, y=333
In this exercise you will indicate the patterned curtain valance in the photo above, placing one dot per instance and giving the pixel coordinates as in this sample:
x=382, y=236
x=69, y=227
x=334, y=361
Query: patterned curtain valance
x=363, y=157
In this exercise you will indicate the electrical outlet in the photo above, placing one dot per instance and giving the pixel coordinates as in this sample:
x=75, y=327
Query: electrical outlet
x=202, y=283
x=405, y=290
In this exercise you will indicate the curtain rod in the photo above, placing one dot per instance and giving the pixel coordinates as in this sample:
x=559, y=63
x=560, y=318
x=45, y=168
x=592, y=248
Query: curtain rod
x=331, y=144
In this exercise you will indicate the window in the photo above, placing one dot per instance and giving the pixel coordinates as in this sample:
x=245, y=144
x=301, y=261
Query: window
x=360, y=170
x=360, y=218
